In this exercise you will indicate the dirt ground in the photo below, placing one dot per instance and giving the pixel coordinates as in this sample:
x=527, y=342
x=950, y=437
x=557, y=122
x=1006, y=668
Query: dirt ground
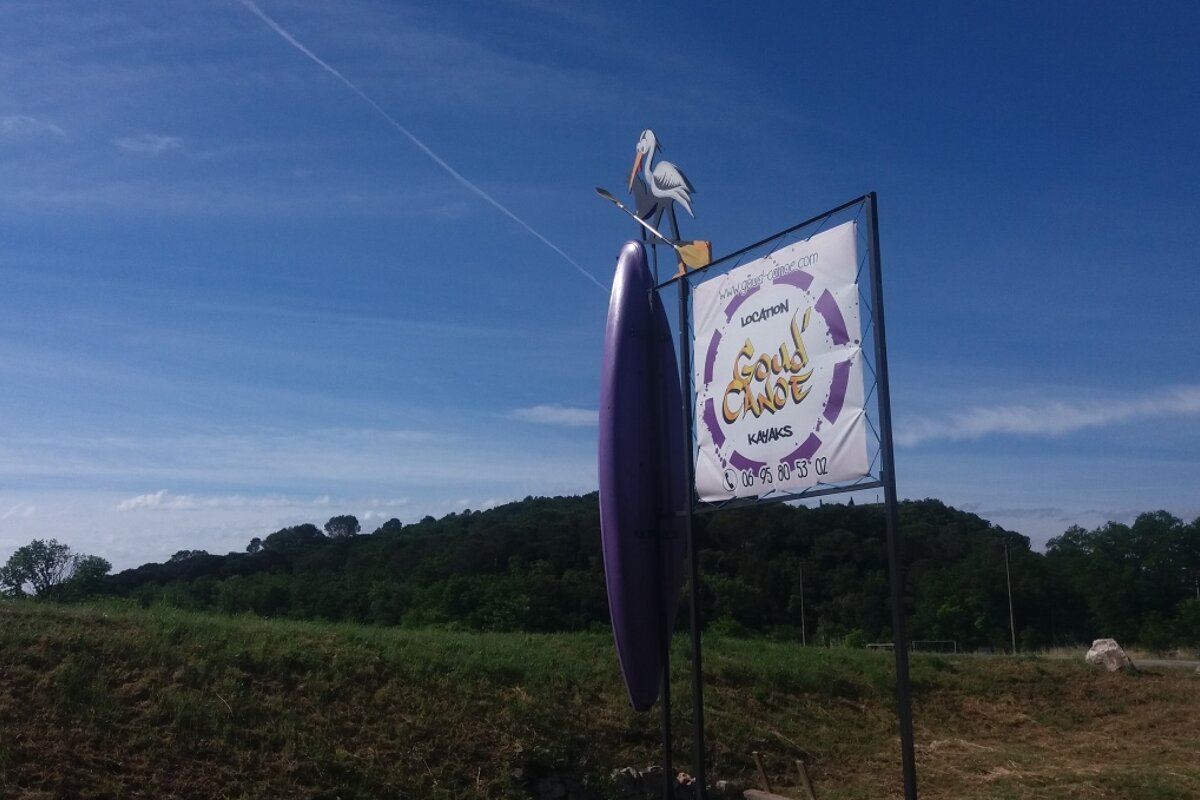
x=1058, y=733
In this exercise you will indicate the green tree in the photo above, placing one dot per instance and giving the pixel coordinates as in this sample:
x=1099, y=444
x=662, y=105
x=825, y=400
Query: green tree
x=9, y=586
x=393, y=525
x=46, y=566
x=342, y=527
x=87, y=578
x=1132, y=577
x=293, y=538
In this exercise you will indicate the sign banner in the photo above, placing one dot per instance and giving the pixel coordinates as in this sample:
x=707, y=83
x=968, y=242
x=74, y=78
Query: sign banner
x=779, y=385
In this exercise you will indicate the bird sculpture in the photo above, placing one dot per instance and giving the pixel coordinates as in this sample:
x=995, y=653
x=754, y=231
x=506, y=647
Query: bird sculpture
x=660, y=186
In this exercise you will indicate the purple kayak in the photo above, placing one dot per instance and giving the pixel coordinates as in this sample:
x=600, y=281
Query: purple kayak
x=642, y=482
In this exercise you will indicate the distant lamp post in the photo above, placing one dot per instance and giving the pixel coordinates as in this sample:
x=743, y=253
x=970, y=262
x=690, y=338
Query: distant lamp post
x=1012, y=625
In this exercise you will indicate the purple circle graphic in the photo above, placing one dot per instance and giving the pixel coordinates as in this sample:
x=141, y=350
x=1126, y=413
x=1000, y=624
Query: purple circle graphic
x=837, y=333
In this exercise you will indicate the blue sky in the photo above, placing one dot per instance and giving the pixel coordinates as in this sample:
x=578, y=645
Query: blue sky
x=238, y=296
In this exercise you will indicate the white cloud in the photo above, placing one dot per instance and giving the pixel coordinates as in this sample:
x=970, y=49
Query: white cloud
x=23, y=125
x=152, y=144
x=166, y=501
x=557, y=415
x=152, y=500
x=1049, y=419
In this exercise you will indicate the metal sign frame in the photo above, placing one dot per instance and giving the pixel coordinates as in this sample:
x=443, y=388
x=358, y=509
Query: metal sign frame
x=882, y=460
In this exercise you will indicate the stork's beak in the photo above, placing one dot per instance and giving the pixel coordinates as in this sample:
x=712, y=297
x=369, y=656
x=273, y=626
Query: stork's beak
x=637, y=162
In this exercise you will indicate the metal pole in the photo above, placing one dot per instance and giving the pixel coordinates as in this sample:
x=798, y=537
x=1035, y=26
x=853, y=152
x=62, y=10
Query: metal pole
x=895, y=563
x=1012, y=626
x=803, y=633
x=685, y=384
x=668, y=769
x=660, y=533
x=654, y=250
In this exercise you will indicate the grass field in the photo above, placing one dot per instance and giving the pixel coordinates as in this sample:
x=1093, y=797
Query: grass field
x=112, y=703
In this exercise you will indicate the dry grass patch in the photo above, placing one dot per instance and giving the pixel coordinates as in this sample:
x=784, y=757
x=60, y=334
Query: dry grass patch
x=99, y=703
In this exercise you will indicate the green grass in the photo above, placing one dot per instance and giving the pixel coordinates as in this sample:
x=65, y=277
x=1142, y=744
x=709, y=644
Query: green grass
x=99, y=702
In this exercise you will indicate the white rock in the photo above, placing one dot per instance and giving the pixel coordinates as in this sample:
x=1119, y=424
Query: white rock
x=1109, y=654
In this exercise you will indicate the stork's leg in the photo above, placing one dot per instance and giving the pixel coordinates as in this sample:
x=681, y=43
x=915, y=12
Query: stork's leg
x=658, y=212
x=674, y=223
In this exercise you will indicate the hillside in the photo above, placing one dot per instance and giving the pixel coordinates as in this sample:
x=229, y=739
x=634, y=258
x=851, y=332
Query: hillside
x=536, y=566
x=104, y=703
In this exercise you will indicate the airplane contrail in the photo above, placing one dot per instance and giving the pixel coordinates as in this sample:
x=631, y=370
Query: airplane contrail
x=424, y=148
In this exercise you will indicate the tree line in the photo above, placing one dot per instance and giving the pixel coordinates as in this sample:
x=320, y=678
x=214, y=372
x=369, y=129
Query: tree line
x=814, y=574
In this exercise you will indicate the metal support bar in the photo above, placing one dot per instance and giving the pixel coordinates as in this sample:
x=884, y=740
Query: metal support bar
x=781, y=497
x=685, y=384
x=798, y=226
x=895, y=560
x=668, y=768
x=660, y=533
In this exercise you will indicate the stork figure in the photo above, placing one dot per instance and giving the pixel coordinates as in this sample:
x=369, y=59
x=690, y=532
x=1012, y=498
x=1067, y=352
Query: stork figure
x=660, y=187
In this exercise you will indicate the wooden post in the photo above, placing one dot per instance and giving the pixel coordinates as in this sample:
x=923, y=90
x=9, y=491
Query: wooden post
x=804, y=779
x=762, y=773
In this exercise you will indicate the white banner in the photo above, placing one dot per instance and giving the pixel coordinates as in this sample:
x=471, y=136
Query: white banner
x=779, y=387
